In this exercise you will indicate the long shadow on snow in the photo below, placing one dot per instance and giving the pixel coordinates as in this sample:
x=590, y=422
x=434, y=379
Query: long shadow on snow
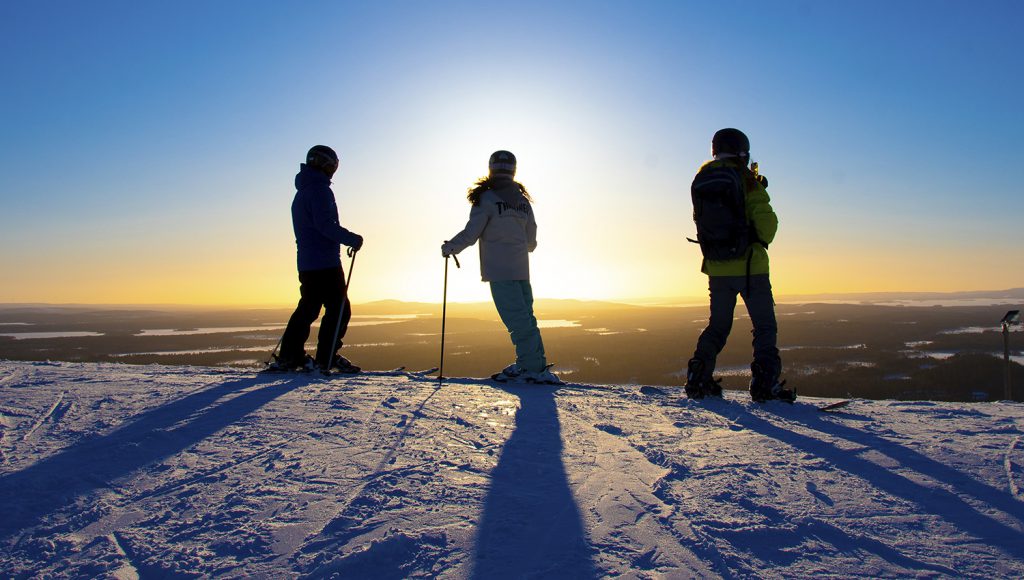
x=767, y=543
x=54, y=483
x=531, y=526
x=932, y=500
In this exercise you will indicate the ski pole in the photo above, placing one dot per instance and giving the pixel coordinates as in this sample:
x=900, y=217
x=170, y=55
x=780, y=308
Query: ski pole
x=444, y=313
x=337, y=328
x=273, y=353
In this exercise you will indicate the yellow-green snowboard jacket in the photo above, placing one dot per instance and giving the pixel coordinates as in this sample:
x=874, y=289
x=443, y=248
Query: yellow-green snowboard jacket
x=759, y=213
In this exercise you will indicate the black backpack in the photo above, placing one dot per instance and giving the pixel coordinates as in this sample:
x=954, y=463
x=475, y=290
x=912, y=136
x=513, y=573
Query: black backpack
x=720, y=212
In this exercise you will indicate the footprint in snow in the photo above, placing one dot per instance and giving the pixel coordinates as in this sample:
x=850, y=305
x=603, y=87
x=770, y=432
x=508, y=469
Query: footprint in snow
x=813, y=490
x=609, y=429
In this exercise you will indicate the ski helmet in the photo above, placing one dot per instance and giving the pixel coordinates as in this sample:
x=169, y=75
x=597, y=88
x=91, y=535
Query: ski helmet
x=502, y=162
x=323, y=158
x=730, y=141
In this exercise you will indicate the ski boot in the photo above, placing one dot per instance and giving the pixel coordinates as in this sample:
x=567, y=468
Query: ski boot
x=765, y=386
x=342, y=365
x=697, y=385
x=510, y=373
x=283, y=364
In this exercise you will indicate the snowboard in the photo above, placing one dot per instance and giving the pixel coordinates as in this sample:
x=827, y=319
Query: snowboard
x=661, y=393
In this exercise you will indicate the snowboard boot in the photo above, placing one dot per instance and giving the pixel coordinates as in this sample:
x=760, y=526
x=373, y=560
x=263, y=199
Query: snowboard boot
x=697, y=385
x=510, y=373
x=765, y=386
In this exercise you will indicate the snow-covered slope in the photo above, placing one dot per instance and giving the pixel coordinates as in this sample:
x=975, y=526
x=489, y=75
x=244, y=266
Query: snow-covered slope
x=124, y=471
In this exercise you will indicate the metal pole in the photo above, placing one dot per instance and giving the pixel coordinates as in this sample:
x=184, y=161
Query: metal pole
x=1008, y=391
x=273, y=353
x=444, y=316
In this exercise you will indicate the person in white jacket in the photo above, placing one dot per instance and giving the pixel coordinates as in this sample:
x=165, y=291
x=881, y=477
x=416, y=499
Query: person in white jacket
x=502, y=220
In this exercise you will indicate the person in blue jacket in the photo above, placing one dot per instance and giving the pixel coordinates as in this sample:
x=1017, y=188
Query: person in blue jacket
x=318, y=237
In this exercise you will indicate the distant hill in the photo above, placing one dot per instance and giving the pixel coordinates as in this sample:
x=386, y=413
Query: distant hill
x=391, y=306
x=1012, y=294
x=455, y=308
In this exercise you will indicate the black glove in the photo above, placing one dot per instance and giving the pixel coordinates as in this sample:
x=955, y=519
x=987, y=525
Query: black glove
x=358, y=243
x=763, y=181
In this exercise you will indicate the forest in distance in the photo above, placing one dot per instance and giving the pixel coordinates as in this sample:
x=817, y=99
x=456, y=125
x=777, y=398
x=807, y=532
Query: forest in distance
x=863, y=350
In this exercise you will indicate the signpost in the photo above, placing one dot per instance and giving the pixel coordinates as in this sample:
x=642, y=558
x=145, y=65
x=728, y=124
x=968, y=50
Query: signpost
x=1012, y=317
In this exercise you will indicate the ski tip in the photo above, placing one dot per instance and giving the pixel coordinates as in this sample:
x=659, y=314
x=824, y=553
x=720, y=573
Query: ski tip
x=834, y=406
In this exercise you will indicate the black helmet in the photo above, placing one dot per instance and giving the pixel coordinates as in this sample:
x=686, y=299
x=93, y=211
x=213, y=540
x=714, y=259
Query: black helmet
x=731, y=141
x=323, y=158
x=502, y=162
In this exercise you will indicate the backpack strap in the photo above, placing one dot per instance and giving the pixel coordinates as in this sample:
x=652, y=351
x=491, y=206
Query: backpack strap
x=750, y=180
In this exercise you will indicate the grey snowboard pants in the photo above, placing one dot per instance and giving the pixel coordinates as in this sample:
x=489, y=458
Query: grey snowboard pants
x=761, y=307
x=514, y=301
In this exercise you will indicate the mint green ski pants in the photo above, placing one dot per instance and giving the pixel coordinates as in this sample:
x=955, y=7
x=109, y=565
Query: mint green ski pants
x=514, y=301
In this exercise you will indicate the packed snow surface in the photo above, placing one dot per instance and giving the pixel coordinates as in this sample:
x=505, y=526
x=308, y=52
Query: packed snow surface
x=124, y=471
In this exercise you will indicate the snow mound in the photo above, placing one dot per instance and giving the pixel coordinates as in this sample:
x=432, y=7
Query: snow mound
x=150, y=471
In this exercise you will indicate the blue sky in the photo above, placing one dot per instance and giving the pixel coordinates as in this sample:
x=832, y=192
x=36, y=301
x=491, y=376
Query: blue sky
x=148, y=150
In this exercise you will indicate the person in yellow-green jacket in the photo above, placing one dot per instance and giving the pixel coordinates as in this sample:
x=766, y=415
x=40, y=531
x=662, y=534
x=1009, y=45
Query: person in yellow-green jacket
x=735, y=224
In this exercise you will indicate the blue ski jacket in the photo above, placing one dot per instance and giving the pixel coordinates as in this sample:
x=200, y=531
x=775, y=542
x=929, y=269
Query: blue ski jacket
x=318, y=233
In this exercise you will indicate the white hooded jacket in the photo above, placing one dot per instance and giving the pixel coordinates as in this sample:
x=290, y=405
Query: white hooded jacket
x=503, y=222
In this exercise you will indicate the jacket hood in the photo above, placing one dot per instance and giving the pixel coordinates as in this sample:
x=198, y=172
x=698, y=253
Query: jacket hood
x=308, y=176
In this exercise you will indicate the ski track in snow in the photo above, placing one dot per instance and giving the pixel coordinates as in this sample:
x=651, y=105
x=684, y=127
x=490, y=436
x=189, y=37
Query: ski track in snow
x=124, y=471
x=52, y=414
x=1014, y=468
x=127, y=571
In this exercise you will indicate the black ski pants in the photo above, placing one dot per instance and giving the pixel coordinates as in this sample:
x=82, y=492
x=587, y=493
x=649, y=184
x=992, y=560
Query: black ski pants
x=318, y=289
x=757, y=295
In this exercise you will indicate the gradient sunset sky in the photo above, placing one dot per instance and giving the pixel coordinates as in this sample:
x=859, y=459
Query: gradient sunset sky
x=148, y=149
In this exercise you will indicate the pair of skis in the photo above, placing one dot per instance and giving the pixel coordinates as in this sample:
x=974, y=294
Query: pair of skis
x=399, y=372
x=395, y=372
